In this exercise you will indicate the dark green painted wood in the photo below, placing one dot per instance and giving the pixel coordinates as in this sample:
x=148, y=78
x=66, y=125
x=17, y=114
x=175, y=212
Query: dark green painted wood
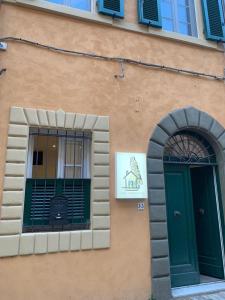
x=181, y=229
x=149, y=13
x=220, y=204
x=27, y=202
x=213, y=20
x=206, y=222
x=114, y=8
x=40, y=191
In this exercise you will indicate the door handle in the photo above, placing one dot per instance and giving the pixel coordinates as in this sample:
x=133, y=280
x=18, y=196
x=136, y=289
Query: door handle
x=201, y=211
x=58, y=216
x=177, y=213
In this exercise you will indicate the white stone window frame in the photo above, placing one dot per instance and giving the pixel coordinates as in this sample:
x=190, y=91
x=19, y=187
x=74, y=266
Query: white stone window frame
x=12, y=241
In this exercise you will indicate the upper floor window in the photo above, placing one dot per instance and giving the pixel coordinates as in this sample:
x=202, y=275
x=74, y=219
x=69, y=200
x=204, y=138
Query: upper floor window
x=58, y=181
x=79, y=4
x=179, y=16
x=223, y=4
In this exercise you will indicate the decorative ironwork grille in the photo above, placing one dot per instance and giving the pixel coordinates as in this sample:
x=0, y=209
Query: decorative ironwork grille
x=189, y=148
x=62, y=175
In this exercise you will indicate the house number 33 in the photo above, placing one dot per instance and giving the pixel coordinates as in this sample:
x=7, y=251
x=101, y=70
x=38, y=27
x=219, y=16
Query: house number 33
x=141, y=206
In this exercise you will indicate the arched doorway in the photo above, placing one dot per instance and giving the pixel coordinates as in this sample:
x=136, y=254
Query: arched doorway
x=189, y=120
x=194, y=217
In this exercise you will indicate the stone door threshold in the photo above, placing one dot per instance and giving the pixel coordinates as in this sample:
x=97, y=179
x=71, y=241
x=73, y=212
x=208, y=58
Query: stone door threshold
x=197, y=289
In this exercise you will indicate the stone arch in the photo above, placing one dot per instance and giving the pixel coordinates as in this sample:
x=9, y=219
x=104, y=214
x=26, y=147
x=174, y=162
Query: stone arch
x=186, y=118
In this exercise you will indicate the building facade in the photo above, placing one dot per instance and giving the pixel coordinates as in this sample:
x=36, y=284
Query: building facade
x=81, y=81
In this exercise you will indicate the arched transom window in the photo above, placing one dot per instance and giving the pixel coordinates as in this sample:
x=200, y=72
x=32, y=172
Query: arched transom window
x=189, y=148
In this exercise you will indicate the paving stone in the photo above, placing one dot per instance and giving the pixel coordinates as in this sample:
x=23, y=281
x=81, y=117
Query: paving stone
x=214, y=296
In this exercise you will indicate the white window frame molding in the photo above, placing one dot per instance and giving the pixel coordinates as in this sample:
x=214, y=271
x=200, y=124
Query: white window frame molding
x=30, y=156
x=12, y=240
x=193, y=19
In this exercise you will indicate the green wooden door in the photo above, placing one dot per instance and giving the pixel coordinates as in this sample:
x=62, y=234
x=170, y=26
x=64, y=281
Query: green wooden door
x=206, y=219
x=181, y=228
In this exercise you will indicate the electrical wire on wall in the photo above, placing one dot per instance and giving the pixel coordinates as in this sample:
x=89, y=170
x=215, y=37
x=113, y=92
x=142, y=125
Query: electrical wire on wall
x=120, y=60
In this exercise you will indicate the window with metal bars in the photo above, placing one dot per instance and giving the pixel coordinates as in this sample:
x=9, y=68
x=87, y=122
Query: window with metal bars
x=57, y=196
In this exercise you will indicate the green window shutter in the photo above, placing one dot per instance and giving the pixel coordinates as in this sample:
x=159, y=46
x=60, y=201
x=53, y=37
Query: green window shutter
x=39, y=193
x=37, y=201
x=149, y=13
x=214, y=20
x=114, y=8
x=77, y=191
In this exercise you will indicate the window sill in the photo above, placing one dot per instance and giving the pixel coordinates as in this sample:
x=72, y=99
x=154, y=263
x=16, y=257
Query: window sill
x=196, y=41
x=50, y=242
x=117, y=23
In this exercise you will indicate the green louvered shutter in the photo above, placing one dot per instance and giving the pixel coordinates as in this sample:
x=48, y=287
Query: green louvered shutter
x=114, y=8
x=214, y=20
x=39, y=193
x=37, y=201
x=149, y=12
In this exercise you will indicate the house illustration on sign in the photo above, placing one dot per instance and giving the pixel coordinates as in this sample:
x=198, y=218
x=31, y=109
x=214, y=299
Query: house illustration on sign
x=132, y=179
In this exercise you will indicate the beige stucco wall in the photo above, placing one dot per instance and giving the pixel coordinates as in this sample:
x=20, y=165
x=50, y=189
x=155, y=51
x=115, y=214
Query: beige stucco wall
x=42, y=79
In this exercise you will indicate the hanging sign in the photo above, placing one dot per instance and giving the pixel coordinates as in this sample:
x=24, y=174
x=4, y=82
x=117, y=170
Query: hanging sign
x=131, y=176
